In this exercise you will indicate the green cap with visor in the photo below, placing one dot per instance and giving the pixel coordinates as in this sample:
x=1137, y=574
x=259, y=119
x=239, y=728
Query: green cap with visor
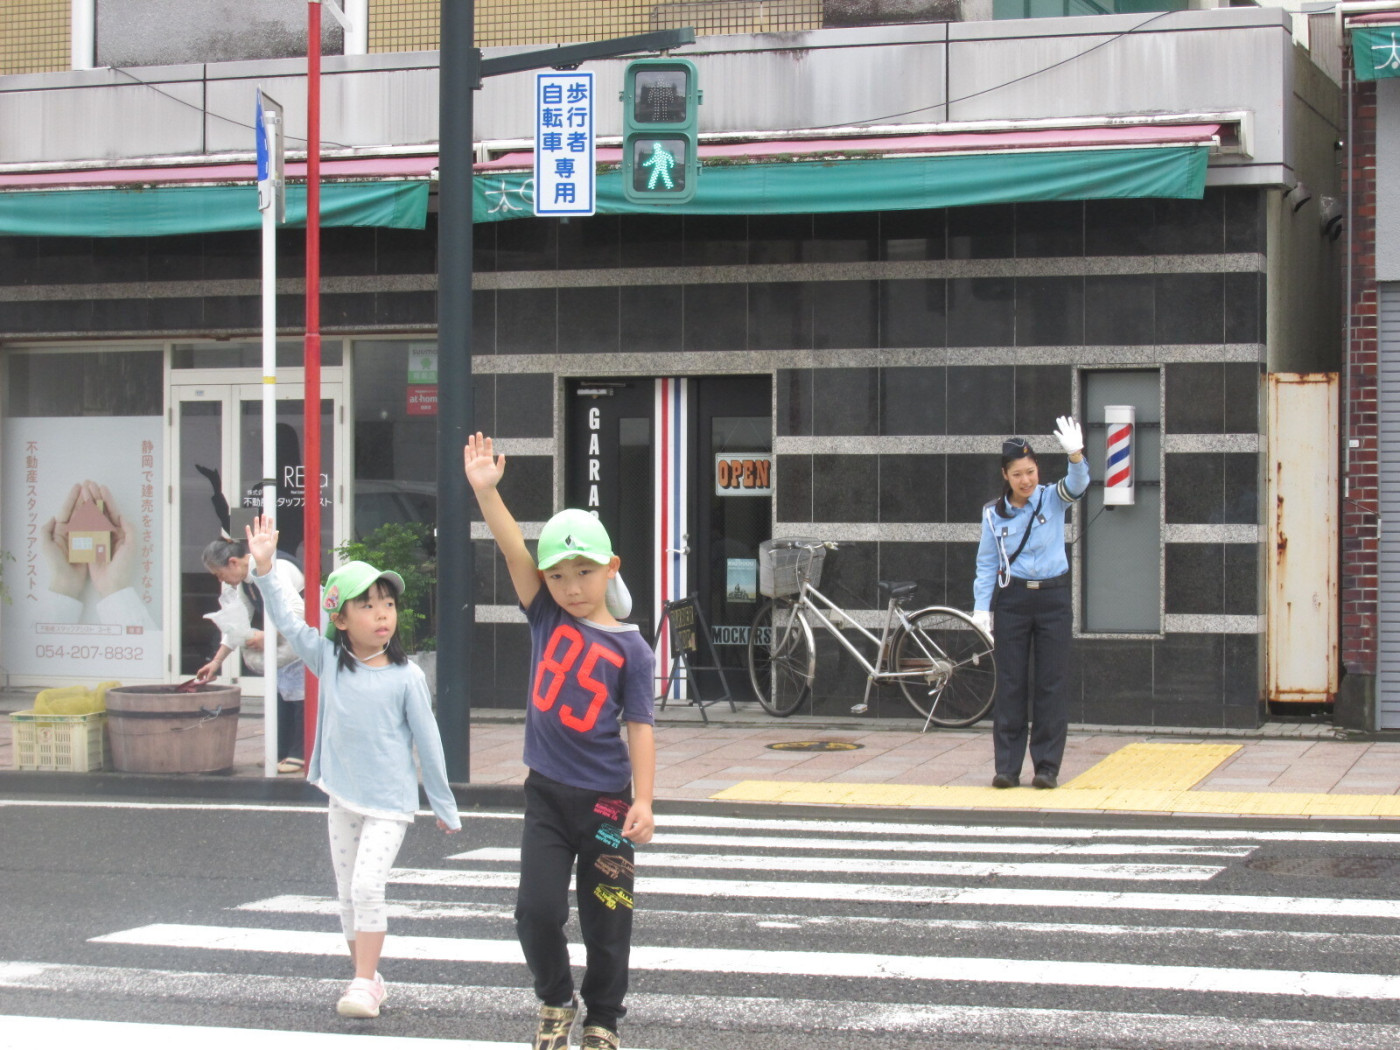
x=350, y=581
x=573, y=534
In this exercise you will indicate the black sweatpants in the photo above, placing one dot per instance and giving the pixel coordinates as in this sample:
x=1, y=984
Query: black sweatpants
x=564, y=825
x=1039, y=622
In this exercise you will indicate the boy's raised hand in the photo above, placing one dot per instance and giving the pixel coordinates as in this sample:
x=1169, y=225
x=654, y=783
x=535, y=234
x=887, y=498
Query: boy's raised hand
x=262, y=543
x=484, y=470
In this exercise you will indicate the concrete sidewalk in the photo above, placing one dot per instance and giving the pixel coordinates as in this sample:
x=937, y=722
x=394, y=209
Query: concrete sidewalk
x=1294, y=768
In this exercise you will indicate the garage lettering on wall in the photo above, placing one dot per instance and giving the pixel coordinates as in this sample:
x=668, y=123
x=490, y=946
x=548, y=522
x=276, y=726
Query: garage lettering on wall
x=595, y=423
x=743, y=474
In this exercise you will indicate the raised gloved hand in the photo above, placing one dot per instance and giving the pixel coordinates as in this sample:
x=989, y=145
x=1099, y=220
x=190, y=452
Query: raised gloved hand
x=983, y=619
x=1069, y=434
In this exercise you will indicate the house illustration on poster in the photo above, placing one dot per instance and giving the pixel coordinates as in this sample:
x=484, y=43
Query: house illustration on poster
x=90, y=534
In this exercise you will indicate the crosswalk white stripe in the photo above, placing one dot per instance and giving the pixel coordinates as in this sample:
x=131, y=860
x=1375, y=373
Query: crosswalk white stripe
x=1214, y=936
x=25, y=1033
x=664, y=840
x=886, y=866
x=1331, y=907
x=1002, y=1023
x=790, y=824
x=863, y=965
x=922, y=830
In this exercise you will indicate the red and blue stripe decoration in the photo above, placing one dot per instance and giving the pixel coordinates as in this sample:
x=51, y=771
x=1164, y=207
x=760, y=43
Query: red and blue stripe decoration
x=1118, y=473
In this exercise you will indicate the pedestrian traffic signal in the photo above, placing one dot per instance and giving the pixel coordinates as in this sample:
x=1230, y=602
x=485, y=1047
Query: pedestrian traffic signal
x=660, y=121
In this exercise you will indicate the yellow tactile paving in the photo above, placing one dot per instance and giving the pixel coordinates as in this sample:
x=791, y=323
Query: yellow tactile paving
x=1155, y=767
x=1253, y=803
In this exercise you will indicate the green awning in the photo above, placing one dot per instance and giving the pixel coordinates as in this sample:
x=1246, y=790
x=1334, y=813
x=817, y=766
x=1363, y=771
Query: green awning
x=891, y=183
x=155, y=211
x=1375, y=51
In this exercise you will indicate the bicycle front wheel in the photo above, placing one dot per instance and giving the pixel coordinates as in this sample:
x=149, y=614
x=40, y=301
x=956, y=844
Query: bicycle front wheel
x=956, y=677
x=782, y=657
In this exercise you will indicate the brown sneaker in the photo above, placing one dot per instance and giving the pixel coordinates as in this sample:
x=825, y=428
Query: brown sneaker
x=558, y=1028
x=596, y=1037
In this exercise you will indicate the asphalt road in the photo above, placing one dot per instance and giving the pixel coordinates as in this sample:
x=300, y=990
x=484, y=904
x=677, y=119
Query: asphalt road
x=770, y=929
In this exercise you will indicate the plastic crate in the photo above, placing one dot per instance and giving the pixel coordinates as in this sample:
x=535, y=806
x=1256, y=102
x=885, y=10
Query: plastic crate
x=59, y=743
x=782, y=566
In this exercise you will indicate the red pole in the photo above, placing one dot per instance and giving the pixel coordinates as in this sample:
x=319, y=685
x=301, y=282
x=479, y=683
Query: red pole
x=311, y=420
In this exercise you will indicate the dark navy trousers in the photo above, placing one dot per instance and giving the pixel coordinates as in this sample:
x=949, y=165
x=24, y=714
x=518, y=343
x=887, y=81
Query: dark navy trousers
x=1031, y=624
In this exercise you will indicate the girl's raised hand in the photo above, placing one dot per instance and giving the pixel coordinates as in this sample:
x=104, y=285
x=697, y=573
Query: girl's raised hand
x=262, y=543
x=484, y=470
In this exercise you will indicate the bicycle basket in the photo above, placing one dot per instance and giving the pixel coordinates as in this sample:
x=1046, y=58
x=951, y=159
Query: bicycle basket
x=782, y=566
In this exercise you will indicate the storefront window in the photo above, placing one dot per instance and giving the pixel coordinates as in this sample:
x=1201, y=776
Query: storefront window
x=395, y=433
x=291, y=353
x=84, y=383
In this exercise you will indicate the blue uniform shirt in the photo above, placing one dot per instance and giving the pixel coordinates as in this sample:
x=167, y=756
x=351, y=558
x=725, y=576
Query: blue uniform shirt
x=1043, y=557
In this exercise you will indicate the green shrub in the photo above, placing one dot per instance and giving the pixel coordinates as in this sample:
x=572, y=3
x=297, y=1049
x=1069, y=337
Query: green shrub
x=402, y=547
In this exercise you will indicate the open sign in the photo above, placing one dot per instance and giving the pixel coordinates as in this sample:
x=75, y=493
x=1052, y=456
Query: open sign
x=743, y=475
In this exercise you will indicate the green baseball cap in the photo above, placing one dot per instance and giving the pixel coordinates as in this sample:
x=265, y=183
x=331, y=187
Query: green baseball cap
x=573, y=534
x=350, y=581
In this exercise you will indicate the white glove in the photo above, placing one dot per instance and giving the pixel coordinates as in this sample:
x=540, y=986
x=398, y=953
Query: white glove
x=1070, y=436
x=983, y=619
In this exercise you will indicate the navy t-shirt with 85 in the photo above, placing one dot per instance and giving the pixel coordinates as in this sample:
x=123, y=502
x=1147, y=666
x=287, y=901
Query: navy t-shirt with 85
x=585, y=680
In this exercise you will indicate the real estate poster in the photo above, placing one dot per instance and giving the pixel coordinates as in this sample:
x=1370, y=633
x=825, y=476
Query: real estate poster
x=82, y=521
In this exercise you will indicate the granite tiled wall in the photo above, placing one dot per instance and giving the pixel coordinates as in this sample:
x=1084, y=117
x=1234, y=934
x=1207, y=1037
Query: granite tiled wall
x=903, y=346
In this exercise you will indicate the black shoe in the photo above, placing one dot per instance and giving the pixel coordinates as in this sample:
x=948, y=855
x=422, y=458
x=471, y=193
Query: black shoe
x=1001, y=780
x=1045, y=781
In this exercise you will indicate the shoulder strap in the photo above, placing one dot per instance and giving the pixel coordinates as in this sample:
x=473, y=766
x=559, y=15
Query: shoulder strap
x=1035, y=516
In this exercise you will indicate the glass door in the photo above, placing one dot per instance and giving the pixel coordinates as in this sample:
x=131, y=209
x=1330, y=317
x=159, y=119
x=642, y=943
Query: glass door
x=218, y=470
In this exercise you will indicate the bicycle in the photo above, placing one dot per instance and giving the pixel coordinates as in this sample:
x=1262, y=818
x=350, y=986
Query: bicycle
x=940, y=658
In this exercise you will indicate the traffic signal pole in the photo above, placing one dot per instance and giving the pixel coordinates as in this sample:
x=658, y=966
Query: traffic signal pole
x=461, y=71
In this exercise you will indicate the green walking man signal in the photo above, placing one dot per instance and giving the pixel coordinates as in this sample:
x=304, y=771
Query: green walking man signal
x=660, y=125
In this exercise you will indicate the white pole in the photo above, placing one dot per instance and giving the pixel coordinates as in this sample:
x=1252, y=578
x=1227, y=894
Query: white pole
x=82, y=20
x=268, y=203
x=357, y=32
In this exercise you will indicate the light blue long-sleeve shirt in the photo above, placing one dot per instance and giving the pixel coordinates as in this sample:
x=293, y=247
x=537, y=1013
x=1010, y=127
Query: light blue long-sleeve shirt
x=1043, y=557
x=367, y=723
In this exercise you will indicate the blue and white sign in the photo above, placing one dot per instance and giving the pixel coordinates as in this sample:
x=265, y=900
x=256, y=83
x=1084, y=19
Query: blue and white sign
x=564, y=144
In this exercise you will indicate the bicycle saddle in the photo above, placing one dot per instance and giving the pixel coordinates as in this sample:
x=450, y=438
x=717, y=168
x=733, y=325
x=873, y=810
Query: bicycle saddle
x=898, y=588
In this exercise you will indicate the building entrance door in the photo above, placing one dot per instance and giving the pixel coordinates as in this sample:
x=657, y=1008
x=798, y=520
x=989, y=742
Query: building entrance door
x=680, y=471
x=217, y=458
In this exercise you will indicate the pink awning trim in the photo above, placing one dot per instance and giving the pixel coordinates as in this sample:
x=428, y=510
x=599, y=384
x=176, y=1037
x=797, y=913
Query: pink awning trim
x=957, y=142
x=419, y=166
x=396, y=167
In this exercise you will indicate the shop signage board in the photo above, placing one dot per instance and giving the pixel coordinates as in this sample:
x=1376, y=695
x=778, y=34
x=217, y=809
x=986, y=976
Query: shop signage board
x=422, y=386
x=743, y=475
x=86, y=581
x=1376, y=52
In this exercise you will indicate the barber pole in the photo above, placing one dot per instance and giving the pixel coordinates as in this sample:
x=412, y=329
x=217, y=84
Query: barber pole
x=1118, y=467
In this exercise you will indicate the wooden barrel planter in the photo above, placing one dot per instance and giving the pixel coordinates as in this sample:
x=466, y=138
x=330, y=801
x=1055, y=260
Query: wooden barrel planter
x=159, y=729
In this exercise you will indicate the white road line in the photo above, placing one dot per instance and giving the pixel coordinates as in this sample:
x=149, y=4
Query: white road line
x=1097, y=849
x=849, y=827
x=886, y=866
x=1330, y=907
x=911, y=830
x=1279, y=940
x=861, y=965
x=25, y=1033
x=697, y=1013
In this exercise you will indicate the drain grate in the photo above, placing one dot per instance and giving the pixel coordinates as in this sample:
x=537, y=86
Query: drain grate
x=1326, y=867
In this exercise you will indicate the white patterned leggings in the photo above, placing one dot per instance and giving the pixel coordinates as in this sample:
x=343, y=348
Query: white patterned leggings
x=363, y=850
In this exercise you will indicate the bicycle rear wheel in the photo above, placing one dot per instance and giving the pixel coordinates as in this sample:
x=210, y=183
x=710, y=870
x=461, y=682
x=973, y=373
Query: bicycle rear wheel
x=782, y=657
x=957, y=678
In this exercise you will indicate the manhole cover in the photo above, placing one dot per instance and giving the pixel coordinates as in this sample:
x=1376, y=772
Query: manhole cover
x=1326, y=867
x=815, y=745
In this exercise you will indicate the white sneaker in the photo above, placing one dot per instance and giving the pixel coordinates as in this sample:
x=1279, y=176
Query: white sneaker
x=363, y=998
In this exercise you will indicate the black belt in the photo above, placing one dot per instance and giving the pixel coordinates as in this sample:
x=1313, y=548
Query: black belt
x=1040, y=585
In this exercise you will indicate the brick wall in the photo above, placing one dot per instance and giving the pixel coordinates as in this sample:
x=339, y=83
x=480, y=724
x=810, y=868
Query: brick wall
x=1359, y=510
